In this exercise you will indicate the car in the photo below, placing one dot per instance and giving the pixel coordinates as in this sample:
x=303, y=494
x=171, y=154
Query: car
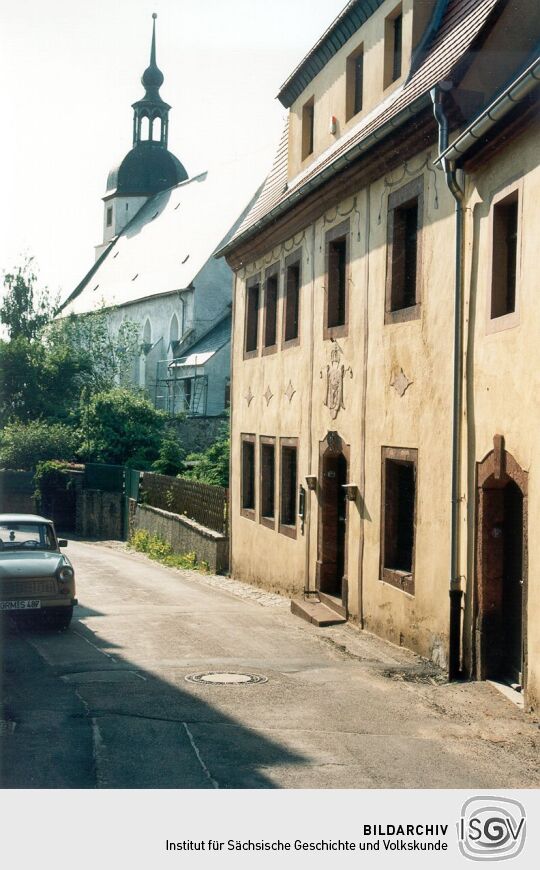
x=35, y=577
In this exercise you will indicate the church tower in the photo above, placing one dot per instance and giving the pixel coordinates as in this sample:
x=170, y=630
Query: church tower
x=149, y=167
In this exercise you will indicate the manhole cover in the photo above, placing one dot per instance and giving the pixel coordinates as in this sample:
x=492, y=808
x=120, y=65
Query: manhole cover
x=223, y=679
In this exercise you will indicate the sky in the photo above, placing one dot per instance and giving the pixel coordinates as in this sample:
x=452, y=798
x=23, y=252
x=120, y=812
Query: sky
x=70, y=71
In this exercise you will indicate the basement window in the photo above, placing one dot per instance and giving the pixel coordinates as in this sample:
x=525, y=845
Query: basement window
x=291, y=312
x=308, y=128
x=287, y=513
x=337, y=289
x=247, y=499
x=268, y=481
x=270, y=308
x=252, y=317
x=354, y=88
x=398, y=517
x=405, y=213
x=504, y=257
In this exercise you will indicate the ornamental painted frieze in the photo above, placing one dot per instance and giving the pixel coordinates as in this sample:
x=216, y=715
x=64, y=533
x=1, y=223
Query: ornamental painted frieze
x=335, y=376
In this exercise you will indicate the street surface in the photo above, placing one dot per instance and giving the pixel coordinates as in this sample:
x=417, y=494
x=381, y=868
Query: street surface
x=107, y=703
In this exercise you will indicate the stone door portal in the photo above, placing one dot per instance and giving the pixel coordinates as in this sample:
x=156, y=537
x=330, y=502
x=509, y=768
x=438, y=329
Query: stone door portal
x=332, y=538
x=501, y=568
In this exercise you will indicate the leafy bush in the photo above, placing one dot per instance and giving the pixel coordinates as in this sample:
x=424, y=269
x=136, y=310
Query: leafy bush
x=171, y=456
x=119, y=425
x=155, y=547
x=50, y=477
x=212, y=465
x=24, y=445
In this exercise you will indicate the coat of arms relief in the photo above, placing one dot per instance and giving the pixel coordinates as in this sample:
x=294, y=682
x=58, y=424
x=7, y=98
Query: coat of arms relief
x=335, y=377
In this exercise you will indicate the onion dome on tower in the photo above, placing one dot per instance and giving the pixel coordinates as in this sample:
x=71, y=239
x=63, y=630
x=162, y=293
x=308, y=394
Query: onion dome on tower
x=149, y=167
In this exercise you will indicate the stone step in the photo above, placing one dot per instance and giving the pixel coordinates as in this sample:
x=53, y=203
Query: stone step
x=316, y=612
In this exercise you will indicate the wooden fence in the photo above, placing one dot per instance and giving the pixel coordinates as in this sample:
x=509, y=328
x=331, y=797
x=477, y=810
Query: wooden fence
x=207, y=505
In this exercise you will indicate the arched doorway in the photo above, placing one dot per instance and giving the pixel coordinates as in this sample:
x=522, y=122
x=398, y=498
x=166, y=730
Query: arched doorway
x=332, y=526
x=501, y=647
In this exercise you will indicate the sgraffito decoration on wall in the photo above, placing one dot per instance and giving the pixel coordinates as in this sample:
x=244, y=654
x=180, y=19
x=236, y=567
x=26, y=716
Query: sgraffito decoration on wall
x=400, y=382
x=335, y=376
x=290, y=391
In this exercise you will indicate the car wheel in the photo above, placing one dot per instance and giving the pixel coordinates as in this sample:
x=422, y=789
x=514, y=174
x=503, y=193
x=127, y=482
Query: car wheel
x=59, y=620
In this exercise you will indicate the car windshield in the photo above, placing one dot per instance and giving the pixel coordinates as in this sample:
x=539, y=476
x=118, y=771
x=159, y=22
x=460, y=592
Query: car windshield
x=26, y=536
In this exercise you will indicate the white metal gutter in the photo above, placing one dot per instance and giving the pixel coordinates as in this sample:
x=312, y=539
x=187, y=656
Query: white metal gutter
x=500, y=107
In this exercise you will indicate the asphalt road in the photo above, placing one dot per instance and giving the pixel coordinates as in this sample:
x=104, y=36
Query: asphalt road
x=107, y=704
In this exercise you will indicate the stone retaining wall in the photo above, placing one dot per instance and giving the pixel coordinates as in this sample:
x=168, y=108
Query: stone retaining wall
x=184, y=535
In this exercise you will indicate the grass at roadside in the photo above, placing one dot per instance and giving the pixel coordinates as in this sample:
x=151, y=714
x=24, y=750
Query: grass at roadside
x=157, y=548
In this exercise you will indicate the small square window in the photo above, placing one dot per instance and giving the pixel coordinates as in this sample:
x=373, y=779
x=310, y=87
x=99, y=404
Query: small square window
x=504, y=262
x=291, y=312
x=398, y=517
x=355, y=83
x=308, y=128
x=251, y=341
x=289, y=479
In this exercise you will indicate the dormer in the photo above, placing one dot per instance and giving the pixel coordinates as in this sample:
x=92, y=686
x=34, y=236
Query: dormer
x=363, y=57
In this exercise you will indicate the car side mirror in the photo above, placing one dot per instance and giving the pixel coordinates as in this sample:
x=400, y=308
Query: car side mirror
x=62, y=542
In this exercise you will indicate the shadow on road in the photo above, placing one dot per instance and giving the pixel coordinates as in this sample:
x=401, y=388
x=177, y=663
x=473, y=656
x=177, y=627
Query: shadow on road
x=104, y=722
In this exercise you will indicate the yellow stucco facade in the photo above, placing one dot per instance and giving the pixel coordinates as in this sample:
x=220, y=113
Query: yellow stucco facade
x=375, y=385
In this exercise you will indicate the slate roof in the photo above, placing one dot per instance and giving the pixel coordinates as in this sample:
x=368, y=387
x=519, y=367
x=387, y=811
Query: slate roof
x=167, y=243
x=460, y=26
x=208, y=344
x=349, y=20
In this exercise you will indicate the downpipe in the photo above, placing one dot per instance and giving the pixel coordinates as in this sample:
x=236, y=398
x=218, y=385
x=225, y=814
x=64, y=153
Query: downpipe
x=455, y=590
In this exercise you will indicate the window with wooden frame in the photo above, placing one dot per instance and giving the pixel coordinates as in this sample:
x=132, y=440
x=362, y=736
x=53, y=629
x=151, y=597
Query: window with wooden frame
x=267, y=466
x=398, y=516
x=288, y=485
x=271, y=292
x=403, y=269
x=354, y=86
x=336, y=313
x=251, y=340
x=291, y=302
x=247, y=477
x=393, y=46
x=505, y=240
x=308, y=128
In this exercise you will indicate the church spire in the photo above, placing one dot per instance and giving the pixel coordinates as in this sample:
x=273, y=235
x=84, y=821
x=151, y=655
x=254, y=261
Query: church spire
x=152, y=108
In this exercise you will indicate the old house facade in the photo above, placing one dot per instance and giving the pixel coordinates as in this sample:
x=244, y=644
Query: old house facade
x=155, y=265
x=384, y=336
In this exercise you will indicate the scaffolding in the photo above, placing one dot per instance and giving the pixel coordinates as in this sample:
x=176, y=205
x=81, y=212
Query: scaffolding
x=181, y=386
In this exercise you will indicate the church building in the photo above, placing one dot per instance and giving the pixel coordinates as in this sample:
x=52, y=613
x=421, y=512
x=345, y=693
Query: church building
x=155, y=263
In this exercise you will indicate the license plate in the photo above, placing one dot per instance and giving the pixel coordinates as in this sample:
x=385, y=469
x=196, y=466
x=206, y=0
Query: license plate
x=30, y=604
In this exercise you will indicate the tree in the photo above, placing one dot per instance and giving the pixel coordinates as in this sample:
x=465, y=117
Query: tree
x=119, y=425
x=108, y=357
x=40, y=381
x=212, y=465
x=171, y=455
x=23, y=445
x=25, y=310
